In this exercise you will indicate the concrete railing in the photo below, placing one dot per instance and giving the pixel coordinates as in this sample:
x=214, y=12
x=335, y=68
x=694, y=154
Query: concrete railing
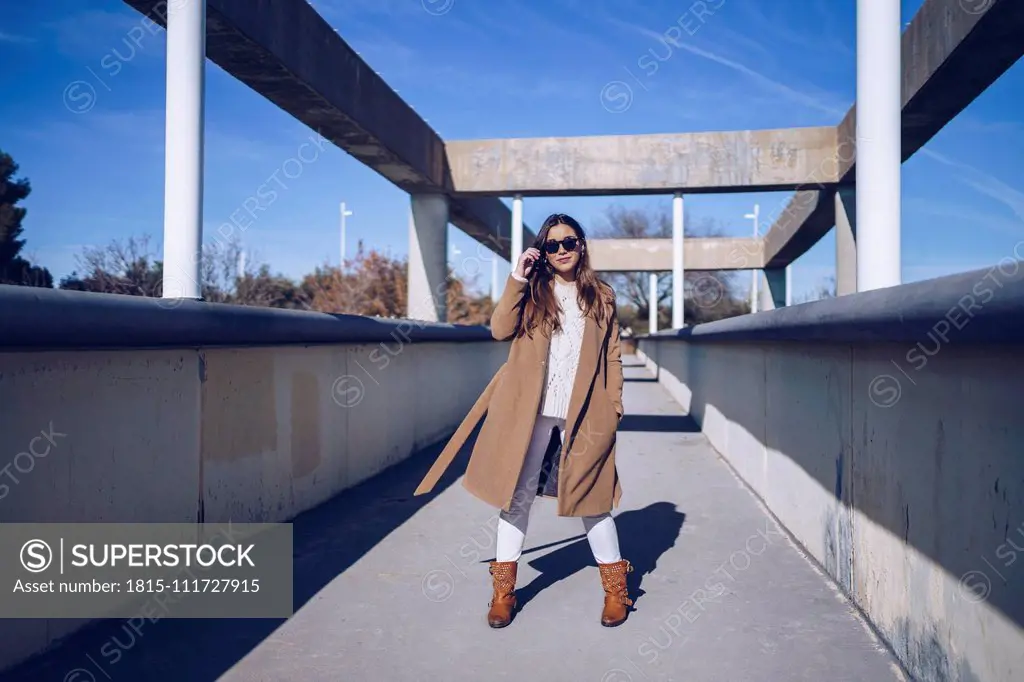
x=885, y=431
x=121, y=409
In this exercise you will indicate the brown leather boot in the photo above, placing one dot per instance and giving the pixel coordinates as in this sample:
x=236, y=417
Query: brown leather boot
x=503, y=602
x=616, y=595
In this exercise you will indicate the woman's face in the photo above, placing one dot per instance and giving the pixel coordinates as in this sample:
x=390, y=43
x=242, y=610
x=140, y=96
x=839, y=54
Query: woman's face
x=564, y=260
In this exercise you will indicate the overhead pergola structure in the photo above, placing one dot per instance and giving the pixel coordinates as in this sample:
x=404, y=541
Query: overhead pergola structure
x=919, y=81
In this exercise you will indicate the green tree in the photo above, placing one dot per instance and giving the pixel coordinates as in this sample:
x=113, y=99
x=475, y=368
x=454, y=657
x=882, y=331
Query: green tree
x=14, y=269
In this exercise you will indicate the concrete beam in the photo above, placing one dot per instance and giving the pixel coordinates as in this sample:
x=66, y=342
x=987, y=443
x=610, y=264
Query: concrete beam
x=655, y=255
x=949, y=56
x=808, y=216
x=287, y=52
x=734, y=161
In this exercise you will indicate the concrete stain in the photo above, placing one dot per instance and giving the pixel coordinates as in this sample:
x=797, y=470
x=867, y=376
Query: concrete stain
x=238, y=405
x=924, y=654
x=839, y=470
x=906, y=524
x=838, y=546
x=305, y=421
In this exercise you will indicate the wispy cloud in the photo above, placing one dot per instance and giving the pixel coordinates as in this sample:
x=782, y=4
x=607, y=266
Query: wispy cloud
x=732, y=37
x=807, y=278
x=821, y=40
x=131, y=131
x=975, y=125
x=141, y=131
x=15, y=39
x=826, y=10
x=815, y=102
x=403, y=66
x=367, y=8
x=92, y=34
x=946, y=210
x=521, y=22
x=920, y=272
x=982, y=182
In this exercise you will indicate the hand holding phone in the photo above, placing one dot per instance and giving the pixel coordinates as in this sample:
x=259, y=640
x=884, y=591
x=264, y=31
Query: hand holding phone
x=526, y=262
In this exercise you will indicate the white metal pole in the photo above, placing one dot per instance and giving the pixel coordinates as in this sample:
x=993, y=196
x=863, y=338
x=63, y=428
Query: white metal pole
x=652, y=303
x=183, y=149
x=344, y=214
x=517, y=230
x=754, y=272
x=879, y=111
x=678, y=271
x=789, y=285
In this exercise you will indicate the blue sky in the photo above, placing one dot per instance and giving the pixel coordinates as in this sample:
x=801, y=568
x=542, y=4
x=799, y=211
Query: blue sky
x=476, y=69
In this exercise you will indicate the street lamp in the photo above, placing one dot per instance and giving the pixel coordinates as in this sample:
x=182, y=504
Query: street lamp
x=753, y=273
x=344, y=214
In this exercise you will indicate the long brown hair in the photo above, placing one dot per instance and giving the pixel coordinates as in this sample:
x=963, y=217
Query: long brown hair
x=538, y=308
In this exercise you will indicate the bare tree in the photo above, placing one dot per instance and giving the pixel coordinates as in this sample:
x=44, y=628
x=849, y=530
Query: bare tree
x=373, y=283
x=707, y=295
x=825, y=289
x=132, y=267
x=128, y=267
x=219, y=270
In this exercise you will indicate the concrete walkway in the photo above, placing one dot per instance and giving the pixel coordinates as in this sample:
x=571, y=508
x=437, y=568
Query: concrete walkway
x=396, y=588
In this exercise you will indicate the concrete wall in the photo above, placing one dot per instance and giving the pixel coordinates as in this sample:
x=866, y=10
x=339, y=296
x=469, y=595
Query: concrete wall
x=243, y=434
x=897, y=463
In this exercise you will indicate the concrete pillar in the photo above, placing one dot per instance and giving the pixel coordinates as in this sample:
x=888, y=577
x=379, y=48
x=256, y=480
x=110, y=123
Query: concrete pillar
x=428, y=258
x=678, y=271
x=517, y=230
x=652, y=303
x=183, y=149
x=774, y=292
x=846, y=242
x=755, y=276
x=879, y=159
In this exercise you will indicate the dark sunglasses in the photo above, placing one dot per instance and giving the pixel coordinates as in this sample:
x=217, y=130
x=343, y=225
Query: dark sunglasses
x=551, y=246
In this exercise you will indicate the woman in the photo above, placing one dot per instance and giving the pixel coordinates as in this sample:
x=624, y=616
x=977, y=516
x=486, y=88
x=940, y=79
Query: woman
x=563, y=375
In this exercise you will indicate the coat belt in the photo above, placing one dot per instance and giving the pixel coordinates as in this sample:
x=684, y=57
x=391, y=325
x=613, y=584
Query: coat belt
x=459, y=438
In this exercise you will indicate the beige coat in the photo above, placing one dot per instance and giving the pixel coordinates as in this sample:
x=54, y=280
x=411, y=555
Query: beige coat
x=584, y=478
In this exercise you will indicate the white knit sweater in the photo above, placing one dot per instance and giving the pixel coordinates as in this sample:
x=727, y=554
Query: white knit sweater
x=563, y=353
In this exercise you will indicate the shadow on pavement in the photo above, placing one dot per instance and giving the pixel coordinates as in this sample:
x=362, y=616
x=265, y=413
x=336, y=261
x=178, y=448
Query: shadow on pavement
x=659, y=422
x=328, y=539
x=644, y=535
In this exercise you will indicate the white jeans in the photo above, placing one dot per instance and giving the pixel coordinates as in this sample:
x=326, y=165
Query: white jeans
x=600, y=529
